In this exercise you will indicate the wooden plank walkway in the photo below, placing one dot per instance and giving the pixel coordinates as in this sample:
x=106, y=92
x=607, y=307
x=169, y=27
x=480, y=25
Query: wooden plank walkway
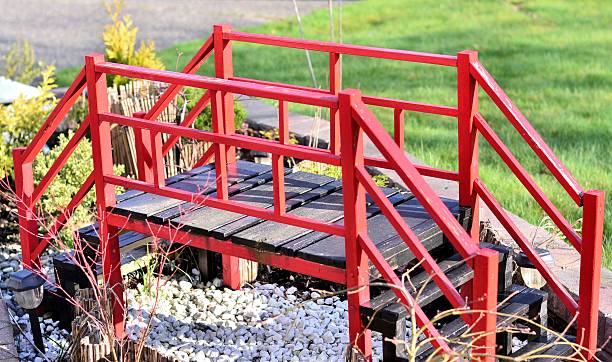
x=307, y=195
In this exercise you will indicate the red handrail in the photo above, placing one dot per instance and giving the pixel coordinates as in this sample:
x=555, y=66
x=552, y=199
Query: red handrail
x=236, y=140
x=526, y=130
x=358, y=50
x=437, y=340
x=55, y=118
x=188, y=121
x=526, y=246
x=61, y=160
x=224, y=85
x=411, y=177
x=411, y=240
x=358, y=118
x=524, y=177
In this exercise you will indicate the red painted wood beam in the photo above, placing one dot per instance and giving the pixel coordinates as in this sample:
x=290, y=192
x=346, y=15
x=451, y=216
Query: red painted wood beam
x=590, y=271
x=358, y=50
x=526, y=246
x=228, y=205
x=175, y=234
x=412, y=241
x=248, y=142
x=415, y=182
x=526, y=130
x=55, y=118
x=355, y=223
x=523, y=176
x=224, y=85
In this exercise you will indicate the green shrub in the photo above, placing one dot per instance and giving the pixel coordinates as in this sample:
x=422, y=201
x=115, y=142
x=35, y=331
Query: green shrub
x=67, y=183
x=19, y=63
x=335, y=172
x=204, y=120
x=20, y=121
x=120, y=43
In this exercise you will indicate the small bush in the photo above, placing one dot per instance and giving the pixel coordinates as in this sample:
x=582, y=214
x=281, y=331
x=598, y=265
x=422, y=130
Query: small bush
x=67, y=183
x=335, y=172
x=20, y=121
x=19, y=63
x=120, y=41
x=204, y=120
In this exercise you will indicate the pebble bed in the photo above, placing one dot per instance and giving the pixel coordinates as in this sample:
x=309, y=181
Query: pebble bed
x=195, y=321
x=262, y=322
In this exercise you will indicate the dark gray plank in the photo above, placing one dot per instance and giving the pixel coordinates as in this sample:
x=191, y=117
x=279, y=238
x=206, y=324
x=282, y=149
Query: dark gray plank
x=269, y=235
x=331, y=250
x=245, y=222
x=291, y=247
x=145, y=205
x=184, y=208
x=205, y=219
x=92, y=239
x=169, y=181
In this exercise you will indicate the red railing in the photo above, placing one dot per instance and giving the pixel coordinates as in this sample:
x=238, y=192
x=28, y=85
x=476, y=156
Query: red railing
x=349, y=118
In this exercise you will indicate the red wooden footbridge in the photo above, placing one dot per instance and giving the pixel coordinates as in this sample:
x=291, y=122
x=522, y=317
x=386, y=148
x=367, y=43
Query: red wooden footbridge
x=351, y=231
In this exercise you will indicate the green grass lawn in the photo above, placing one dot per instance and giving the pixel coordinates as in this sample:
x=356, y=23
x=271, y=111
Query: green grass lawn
x=551, y=57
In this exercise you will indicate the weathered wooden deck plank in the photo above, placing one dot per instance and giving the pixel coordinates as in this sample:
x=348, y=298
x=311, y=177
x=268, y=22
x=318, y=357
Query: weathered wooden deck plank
x=291, y=247
x=225, y=231
x=270, y=235
x=145, y=205
x=169, y=181
x=331, y=250
x=205, y=219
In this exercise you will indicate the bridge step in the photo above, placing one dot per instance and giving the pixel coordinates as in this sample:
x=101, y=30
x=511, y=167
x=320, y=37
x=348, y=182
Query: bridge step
x=518, y=304
x=553, y=349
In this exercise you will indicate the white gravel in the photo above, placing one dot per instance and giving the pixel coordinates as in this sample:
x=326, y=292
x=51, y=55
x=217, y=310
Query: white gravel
x=265, y=322
x=206, y=322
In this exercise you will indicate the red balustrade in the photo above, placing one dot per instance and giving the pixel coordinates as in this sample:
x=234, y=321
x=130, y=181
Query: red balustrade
x=350, y=119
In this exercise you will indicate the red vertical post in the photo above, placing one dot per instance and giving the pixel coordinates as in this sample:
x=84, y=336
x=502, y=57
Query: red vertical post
x=231, y=264
x=224, y=68
x=353, y=193
x=278, y=164
x=590, y=271
x=467, y=104
x=216, y=107
x=486, y=265
x=157, y=159
x=28, y=225
x=398, y=127
x=335, y=84
x=105, y=193
x=144, y=157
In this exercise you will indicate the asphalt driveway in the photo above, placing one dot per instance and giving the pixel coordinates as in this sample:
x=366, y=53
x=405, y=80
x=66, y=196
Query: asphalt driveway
x=63, y=31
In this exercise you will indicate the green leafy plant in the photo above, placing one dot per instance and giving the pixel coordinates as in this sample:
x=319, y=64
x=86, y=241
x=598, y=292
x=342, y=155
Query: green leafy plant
x=20, y=64
x=67, y=183
x=120, y=41
x=204, y=120
x=20, y=120
x=335, y=172
x=272, y=134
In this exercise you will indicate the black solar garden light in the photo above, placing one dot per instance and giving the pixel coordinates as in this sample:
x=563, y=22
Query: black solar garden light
x=27, y=288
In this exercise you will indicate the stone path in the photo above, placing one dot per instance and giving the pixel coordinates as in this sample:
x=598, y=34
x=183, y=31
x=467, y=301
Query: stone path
x=62, y=32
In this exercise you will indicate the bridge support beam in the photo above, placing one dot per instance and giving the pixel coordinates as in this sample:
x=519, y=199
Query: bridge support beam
x=467, y=137
x=486, y=265
x=28, y=225
x=590, y=271
x=353, y=193
x=105, y=192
